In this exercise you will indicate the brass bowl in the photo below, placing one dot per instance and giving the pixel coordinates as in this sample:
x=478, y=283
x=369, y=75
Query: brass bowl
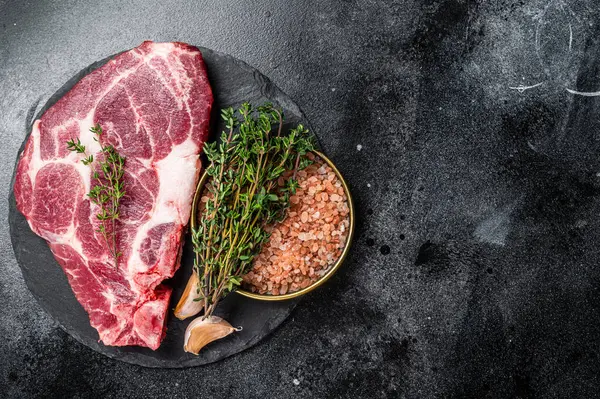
x=326, y=276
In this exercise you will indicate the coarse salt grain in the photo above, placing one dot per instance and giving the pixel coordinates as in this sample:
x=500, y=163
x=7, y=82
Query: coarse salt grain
x=304, y=217
x=309, y=241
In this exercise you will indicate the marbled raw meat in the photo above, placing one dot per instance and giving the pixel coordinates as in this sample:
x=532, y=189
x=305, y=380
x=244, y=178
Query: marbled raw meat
x=153, y=103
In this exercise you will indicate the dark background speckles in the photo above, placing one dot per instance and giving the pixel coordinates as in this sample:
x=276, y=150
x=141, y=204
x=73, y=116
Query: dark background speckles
x=475, y=268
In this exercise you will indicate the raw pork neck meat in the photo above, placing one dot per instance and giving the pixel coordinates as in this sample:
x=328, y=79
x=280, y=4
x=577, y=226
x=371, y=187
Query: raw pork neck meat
x=153, y=103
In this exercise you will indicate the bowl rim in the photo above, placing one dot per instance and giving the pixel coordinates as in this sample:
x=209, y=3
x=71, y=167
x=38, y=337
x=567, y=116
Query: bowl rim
x=330, y=272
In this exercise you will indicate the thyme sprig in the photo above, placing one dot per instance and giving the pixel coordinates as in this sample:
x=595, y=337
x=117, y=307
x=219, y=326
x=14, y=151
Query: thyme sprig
x=244, y=195
x=108, y=189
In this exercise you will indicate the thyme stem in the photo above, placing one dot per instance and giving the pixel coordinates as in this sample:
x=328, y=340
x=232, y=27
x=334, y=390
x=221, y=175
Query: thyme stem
x=243, y=171
x=108, y=191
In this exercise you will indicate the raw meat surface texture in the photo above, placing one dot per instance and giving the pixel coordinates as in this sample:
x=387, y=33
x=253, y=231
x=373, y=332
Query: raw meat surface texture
x=153, y=103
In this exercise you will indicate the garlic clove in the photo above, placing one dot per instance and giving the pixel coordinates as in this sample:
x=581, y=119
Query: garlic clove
x=204, y=330
x=187, y=306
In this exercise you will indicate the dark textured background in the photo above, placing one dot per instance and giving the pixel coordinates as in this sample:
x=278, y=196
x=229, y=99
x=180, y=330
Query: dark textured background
x=475, y=268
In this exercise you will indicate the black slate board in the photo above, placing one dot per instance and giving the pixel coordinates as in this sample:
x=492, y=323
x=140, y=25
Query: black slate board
x=233, y=82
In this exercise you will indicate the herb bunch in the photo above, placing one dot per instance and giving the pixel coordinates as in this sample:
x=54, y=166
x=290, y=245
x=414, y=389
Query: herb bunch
x=108, y=189
x=244, y=195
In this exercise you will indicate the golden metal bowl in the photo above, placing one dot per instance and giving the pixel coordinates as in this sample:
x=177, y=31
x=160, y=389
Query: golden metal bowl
x=326, y=276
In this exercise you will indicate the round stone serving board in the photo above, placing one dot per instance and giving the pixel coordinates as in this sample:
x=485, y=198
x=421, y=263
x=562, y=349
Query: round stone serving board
x=233, y=82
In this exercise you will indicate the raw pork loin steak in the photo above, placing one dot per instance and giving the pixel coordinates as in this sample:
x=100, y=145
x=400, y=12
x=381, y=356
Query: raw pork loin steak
x=153, y=103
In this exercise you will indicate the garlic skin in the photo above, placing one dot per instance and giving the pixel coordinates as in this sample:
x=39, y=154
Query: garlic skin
x=187, y=307
x=204, y=330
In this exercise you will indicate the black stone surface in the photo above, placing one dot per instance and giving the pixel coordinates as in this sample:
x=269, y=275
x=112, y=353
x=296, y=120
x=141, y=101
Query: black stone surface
x=494, y=290
x=233, y=82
